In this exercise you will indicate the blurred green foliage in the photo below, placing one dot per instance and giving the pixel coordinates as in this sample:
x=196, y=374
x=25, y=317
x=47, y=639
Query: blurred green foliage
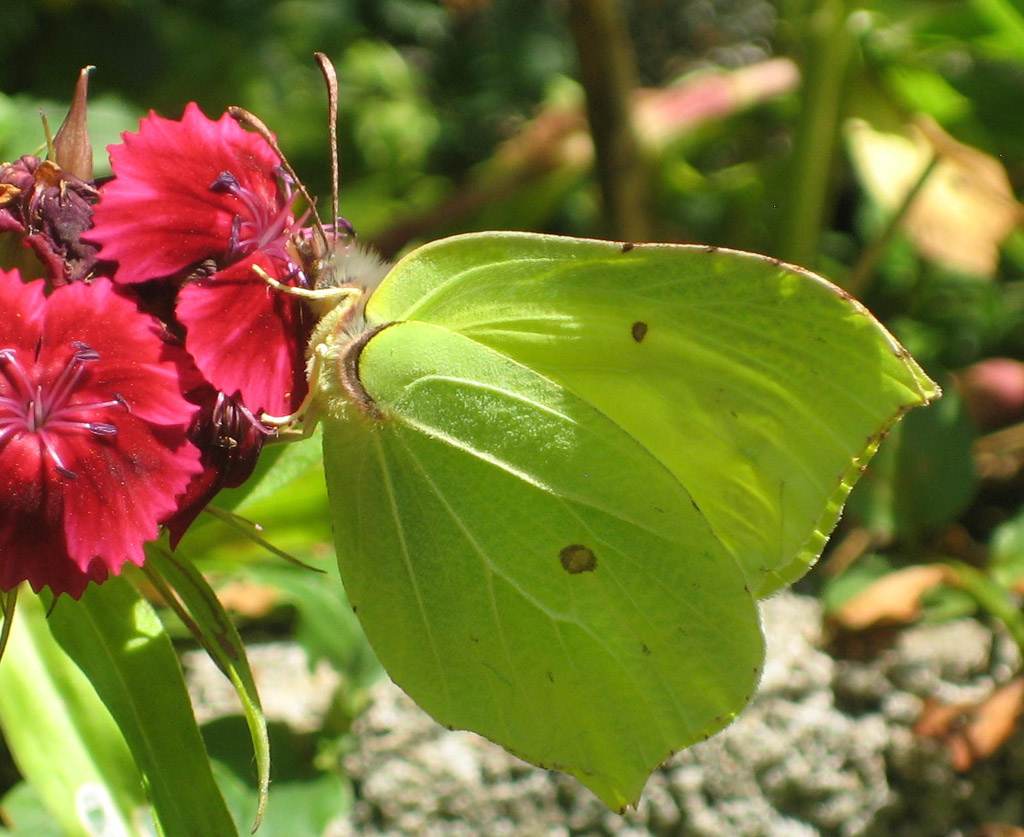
x=428, y=89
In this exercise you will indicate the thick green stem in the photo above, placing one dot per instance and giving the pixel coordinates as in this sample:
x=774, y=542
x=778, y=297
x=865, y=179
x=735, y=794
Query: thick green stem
x=608, y=73
x=991, y=597
x=859, y=278
x=826, y=45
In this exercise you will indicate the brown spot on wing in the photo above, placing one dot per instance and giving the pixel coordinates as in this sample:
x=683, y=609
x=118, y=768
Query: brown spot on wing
x=577, y=558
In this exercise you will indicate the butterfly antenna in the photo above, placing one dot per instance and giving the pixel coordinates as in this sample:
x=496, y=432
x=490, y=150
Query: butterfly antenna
x=331, y=78
x=252, y=121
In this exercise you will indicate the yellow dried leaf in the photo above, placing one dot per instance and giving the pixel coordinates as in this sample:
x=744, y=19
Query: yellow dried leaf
x=965, y=208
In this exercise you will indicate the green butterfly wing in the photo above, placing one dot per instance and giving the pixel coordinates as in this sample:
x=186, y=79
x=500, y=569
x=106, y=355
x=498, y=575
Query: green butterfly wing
x=526, y=570
x=562, y=470
x=762, y=387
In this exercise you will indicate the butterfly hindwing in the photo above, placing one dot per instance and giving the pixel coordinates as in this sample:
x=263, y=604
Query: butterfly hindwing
x=524, y=568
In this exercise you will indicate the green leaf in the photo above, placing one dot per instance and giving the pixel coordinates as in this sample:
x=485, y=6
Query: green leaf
x=62, y=737
x=562, y=471
x=1007, y=20
x=325, y=626
x=924, y=478
x=293, y=519
x=26, y=814
x=1006, y=553
x=117, y=639
x=187, y=592
x=306, y=799
x=993, y=597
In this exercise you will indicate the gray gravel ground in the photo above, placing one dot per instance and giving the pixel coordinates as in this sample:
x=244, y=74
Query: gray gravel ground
x=824, y=749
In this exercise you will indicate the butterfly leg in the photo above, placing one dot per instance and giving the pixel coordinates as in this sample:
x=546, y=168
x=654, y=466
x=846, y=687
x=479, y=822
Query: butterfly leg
x=300, y=423
x=319, y=294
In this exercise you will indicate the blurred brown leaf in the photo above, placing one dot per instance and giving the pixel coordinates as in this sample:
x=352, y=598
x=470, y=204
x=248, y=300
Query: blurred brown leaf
x=893, y=599
x=972, y=732
x=997, y=830
x=248, y=598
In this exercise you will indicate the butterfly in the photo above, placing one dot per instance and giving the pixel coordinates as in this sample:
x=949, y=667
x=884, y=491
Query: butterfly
x=563, y=471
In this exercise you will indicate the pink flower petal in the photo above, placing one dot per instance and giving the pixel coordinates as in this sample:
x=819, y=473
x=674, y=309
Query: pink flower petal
x=247, y=337
x=123, y=489
x=23, y=308
x=138, y=363
x=159, y=216
x=32, y=540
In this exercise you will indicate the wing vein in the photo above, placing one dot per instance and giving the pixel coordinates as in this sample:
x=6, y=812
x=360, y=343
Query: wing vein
x=408, y=564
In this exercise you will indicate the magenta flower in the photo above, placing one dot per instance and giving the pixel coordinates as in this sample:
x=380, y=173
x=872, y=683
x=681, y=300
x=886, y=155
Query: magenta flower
x=247, y=334
x=93, y=447
x=199, y=202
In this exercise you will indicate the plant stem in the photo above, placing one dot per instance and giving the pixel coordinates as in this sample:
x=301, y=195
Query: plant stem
x=991, y=597
x=608, y=74
x=826, y=46
x=859, y=278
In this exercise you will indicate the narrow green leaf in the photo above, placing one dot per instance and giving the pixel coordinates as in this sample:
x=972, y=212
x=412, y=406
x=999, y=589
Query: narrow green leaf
x=1006, y=20
x=119, y=642
x=8, y=601
x=992, y=597
x=306, y=798
x=295, y=521
x=199, y=608
x=325, y=625
x=62, y=737
x=26, y=813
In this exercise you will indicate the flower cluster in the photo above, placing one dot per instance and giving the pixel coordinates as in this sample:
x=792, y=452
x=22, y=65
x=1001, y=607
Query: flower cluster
x=198, y=204
x=133, y=372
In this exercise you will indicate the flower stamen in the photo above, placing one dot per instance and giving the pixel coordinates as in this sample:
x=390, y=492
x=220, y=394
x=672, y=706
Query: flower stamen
x=264, y=227
x=45, y=410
